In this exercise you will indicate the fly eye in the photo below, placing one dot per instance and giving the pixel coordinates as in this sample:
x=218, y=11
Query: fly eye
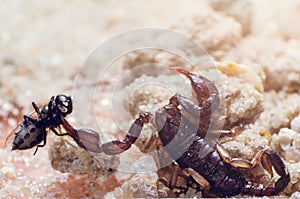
x=64, y=104
x=61, y=99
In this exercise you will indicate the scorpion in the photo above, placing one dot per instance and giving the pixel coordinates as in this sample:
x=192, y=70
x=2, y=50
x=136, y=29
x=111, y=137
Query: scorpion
x=207, y=163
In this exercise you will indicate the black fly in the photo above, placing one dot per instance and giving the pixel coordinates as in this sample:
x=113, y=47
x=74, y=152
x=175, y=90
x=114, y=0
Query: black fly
x=33, y=129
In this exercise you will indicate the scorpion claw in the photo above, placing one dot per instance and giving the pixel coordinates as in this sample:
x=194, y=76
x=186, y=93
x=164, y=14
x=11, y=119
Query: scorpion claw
x=266, y=163
x=116, y=146
x=271, y=158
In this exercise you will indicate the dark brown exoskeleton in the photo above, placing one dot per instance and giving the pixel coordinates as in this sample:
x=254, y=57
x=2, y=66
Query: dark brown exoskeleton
x=207, y=163
x=33, y=129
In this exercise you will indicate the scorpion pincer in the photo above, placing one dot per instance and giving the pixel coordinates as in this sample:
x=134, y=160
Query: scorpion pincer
x=208, y=164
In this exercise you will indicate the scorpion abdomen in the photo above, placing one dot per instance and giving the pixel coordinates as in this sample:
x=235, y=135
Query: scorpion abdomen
x=223, y=178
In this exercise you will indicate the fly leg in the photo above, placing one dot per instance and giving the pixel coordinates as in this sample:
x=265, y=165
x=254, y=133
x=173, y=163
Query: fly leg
x=41, y=145
x=29, y=118
x=36, y=108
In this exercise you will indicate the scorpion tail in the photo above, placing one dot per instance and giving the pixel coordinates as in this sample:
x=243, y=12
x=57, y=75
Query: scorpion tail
x=270, y=158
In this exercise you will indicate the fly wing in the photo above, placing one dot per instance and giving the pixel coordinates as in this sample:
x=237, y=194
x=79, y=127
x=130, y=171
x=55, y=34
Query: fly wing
x=9, y=139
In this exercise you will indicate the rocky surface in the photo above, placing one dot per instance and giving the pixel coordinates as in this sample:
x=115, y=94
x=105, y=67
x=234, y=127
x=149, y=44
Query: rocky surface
x=43, y=45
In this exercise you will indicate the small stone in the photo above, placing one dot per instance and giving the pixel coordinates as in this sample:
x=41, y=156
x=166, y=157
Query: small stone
x=295, y=124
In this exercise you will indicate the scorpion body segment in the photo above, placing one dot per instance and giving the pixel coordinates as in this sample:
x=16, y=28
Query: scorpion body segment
x=197, y=154
x=193, y=152
x=223, y=178
x=182, y=126
x=206, y=162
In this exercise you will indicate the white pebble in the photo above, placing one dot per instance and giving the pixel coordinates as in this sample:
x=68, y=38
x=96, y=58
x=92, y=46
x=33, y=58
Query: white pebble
x=295, y=124
x=285, y=137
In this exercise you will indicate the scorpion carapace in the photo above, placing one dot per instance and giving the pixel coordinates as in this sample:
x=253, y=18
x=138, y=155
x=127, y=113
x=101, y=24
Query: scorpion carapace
x=209, y=165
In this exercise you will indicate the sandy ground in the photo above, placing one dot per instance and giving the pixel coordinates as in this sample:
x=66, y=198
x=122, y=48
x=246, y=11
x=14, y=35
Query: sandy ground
x=43, y=46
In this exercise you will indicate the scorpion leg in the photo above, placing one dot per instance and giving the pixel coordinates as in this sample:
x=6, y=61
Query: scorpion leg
x=151, y=142
x=206, y=91
x=269, y=159
x=174, y=176
x=187, y=172
x=171, y=183
x=235, y=131
x=239, y=162
x=197, y=177
x=117, y=146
